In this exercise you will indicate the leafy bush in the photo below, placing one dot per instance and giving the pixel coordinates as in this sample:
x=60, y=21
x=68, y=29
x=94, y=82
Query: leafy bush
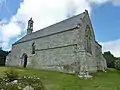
x=12, y=81
x=21, y=83
x=34, y=82
x=11, y=74
x=117, y=64
x=110, y=59
x=11, y=86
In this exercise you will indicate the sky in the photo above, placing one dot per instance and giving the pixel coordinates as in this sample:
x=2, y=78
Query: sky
x=104, y=14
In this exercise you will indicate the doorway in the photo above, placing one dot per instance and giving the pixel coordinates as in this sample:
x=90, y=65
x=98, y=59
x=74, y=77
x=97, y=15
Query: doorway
x=24, y=56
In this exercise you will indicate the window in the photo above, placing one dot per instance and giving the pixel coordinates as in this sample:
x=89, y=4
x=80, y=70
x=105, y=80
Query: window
x=88, y=39
x=33, y=48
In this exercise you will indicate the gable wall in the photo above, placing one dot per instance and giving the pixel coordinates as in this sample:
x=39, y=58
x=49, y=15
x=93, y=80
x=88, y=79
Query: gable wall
x=90, y=61
x=95, y=60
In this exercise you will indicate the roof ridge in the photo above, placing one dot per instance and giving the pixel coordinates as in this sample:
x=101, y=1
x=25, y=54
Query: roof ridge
x=57, y=27
x=58, y=22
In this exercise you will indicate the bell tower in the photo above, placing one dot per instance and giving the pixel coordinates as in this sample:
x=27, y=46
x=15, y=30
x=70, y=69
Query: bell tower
x=30, y=26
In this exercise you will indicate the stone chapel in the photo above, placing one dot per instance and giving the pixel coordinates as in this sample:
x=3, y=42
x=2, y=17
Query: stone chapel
x=67, y=46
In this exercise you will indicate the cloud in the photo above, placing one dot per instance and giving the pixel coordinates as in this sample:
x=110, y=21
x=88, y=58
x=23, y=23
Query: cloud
x=114, y=2
x=99, y=1
x=44, y=13
x=8, y=31
x=47, y=12
x=113, y=46
x=2, y=2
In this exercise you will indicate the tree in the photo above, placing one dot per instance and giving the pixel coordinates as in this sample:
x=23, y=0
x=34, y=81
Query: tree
x=117, y=64
x=110, y=59
x=3, y=55
x=0, y=48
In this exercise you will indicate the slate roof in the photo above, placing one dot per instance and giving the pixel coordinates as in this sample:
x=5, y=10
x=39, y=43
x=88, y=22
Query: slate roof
x=58, y=27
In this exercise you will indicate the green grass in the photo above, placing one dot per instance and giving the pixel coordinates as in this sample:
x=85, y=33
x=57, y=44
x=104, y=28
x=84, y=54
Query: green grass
x=62, y=81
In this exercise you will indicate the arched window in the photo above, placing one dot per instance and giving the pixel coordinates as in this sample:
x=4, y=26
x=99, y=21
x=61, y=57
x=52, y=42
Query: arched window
x=88, y=37
x=33, y=48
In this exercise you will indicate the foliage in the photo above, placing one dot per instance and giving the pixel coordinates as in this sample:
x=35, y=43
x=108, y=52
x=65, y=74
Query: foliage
x=110, y=59
x=0, y=48
x=11, y=74
x=33, y=81
x=117, y=64
x=10, y=86
x=3, y=53
x=21, y=83
x=53, y=80
x=12, y=81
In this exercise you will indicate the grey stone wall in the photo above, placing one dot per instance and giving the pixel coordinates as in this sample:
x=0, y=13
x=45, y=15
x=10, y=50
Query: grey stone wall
x=63, y=51
x=54, y=58
x=52, y=52
x=100, y=60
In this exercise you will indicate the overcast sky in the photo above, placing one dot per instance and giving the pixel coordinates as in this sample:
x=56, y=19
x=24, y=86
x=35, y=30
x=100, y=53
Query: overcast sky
x=104, y=14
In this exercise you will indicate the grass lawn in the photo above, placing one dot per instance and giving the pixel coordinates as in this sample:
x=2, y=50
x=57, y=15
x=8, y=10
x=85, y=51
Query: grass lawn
x=61, y=81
